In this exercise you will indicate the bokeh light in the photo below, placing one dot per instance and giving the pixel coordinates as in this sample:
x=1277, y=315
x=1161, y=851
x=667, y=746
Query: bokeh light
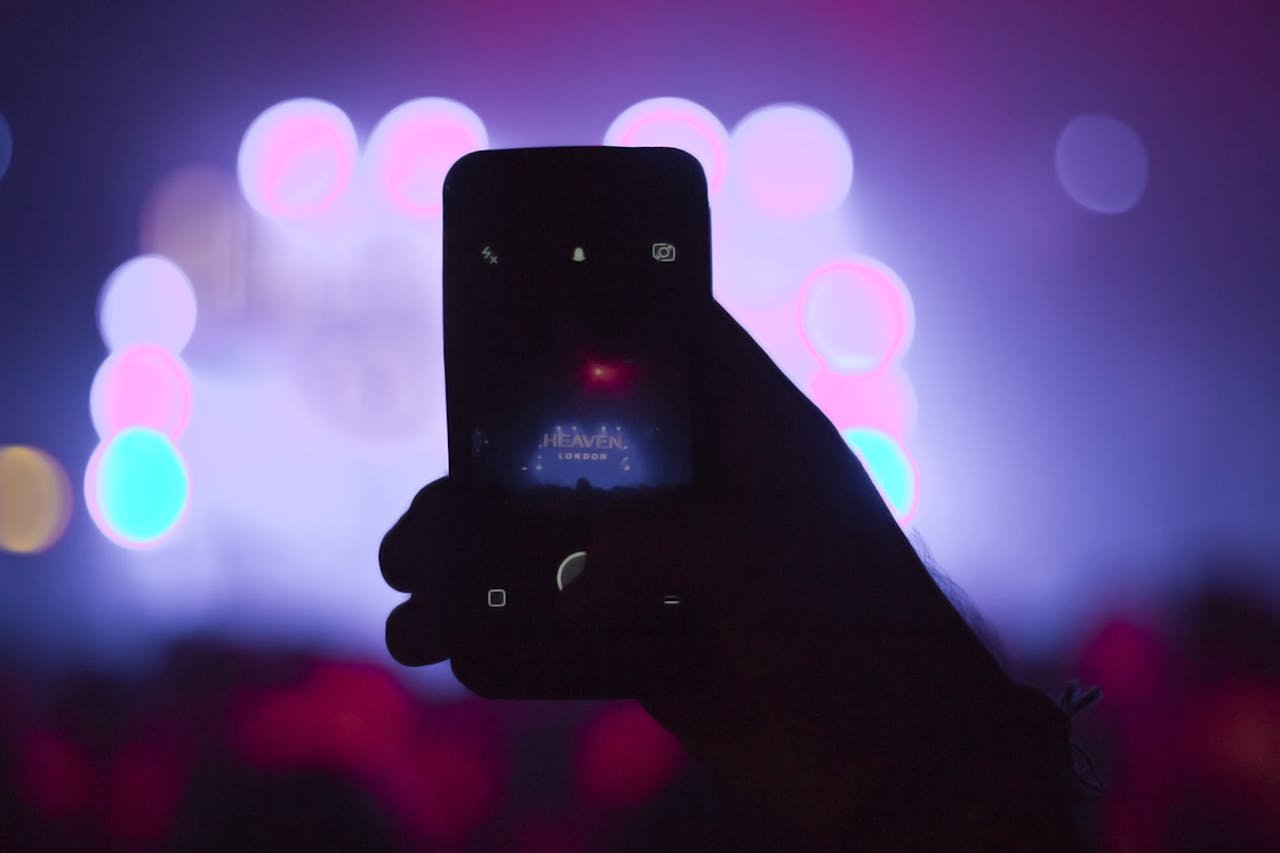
x=147, y=300
x=140, y=386
x=144, y=782
x=759, y=263
x=348, y=715
x=6, y=146
x=136, y=487
x=359, y=719
x=376, y=380
x=882, y=399
x=792, y=161
x=57, y=774
x=35, y=500
x=297, y=158
x=856, y=315
x=324, y=328
x=1101, y=163
x=625, y=757
x=676, y=123
x=1129, y=658
x=890, y=467
x=197, y=218
x=413, y=147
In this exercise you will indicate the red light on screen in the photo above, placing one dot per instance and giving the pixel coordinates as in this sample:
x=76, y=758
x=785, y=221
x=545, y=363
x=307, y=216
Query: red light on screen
x=606, y=374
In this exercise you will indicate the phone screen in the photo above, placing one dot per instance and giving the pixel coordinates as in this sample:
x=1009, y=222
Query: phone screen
x=573, y=281
x=596, y=395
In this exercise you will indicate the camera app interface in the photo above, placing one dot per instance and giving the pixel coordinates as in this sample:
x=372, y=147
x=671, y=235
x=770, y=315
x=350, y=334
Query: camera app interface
x=584, y=380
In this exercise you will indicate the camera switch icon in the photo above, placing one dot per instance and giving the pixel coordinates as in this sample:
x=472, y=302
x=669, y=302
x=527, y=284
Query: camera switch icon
x=664, y=252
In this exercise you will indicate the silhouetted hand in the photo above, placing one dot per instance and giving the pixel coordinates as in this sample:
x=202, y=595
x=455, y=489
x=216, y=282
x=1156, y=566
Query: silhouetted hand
x=842, y=688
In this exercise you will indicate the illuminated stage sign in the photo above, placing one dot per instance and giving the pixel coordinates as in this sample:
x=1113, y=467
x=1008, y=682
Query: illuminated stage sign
x=603, y=457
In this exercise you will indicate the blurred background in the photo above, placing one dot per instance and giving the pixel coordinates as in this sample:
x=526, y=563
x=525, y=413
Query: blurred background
x=1024, y=256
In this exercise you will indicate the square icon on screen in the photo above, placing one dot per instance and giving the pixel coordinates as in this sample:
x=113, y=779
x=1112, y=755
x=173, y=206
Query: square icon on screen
x=497, y=598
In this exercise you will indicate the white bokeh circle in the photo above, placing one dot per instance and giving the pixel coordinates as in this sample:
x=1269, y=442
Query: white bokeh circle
x=792, y=161
x=147, y=300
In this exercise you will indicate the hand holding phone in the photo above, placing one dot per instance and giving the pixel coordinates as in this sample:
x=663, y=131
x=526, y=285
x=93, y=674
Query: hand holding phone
x=631, y=476
x=812, y=659
x=832, y=666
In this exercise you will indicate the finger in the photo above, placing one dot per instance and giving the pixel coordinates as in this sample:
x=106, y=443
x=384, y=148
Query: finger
x=420, y=632
x=418, y=545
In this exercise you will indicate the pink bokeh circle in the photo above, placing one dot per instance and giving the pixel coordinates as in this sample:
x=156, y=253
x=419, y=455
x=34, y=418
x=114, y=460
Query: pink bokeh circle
x=142, y=386
x=883, y=399
x=413, y=147
x=297, y=158
x=855, y=315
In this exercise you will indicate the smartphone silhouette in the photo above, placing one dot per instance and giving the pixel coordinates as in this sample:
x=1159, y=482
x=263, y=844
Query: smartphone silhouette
x=573, y=280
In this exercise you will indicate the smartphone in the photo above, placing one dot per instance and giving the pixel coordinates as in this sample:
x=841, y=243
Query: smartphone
x=573, y=281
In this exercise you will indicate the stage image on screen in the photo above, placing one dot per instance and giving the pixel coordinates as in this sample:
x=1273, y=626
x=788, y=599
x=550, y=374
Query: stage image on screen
x=600, y=404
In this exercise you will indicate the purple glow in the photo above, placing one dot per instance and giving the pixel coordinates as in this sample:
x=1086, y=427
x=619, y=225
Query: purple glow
x=321, y=344
x=1101, y=163
x=147, y=300
x=758, y=263
x=268, y=465
x=856, y=315
x=883, y=399
x=141, y=386
x=297, y=158
x=792, y=161
x=373, y=381
x=676, y=123
x=413, y=147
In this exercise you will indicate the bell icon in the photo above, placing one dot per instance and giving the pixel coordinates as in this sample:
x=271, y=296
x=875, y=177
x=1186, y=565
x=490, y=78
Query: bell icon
x=579, y=255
